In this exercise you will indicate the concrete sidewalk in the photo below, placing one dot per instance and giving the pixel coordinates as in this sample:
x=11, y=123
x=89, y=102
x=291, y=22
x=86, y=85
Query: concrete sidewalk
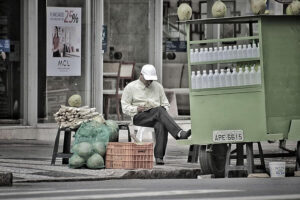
x=29, y=161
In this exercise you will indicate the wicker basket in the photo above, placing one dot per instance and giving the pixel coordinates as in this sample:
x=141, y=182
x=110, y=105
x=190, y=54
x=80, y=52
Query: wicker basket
x=126, y=155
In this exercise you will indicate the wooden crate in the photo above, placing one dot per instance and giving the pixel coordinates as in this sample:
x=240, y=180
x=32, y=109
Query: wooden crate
x=126, y=155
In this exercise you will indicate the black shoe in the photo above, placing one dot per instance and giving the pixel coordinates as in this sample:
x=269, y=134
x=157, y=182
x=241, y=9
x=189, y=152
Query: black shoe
x=185, y=134
x=159, y=161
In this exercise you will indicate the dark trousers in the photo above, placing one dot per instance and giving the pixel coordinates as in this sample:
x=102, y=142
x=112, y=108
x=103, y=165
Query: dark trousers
x=159, y=119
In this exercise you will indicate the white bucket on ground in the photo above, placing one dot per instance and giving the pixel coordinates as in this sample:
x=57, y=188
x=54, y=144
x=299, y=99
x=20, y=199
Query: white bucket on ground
x=277, y=169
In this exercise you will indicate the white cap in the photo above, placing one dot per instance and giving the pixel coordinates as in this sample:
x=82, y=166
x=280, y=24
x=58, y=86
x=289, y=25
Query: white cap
x=149, y=72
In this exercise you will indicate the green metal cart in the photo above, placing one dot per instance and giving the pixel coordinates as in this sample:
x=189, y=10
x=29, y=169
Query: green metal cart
x=248, y=114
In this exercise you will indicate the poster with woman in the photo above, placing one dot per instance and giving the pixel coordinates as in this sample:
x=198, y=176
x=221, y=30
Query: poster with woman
x=63, y=41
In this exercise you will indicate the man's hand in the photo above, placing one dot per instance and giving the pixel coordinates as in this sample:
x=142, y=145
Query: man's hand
x=141, y=108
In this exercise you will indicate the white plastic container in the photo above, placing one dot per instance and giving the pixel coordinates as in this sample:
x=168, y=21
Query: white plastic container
x=240, y=77
x=246, y=76
x=249, y=51
x=228, y=82
x=193, y=79
x=204, y=79
x=216, y=78
x=239, y=52
x=234, y=52
x=215, y=53
x=222, y=78
x=198, y=80
x=210, y=80
x=234, y=77
x=258, y=75
x=192, y=55
x=229, y=53
x=220, y=53
x=277, y=169
x=205, y=55
x=254, y=50
x=225, y=53
x=253, y=80
x=244, y=51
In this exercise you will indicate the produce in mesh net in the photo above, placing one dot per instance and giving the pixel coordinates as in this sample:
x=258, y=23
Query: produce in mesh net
x=113, y=129
x=76, y=161
x=184, y=12
x=75, y=100
x=83, y=149
x=293, y=8
x=95, y=162
x=218, y=9
x=99, y=147
x=258, y=6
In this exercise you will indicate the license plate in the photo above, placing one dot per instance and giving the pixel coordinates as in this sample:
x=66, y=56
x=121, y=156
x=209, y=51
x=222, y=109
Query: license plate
x=228, y=136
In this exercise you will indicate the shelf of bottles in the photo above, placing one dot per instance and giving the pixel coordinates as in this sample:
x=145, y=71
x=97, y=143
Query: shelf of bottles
x=231, y=77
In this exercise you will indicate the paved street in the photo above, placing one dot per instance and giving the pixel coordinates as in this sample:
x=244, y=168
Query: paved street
x=219, y=189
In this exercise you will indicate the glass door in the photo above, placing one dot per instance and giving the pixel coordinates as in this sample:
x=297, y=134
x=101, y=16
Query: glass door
x=10, y=71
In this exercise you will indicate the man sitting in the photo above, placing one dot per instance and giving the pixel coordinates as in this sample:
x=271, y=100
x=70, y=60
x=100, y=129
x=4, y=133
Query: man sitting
x=145, y=101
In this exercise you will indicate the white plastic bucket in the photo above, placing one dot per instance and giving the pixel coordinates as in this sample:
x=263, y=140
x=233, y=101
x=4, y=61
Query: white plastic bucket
x=277, y=169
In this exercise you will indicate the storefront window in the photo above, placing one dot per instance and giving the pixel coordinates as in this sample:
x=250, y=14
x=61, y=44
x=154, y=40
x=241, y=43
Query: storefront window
x=64, y=55
x=10, y=71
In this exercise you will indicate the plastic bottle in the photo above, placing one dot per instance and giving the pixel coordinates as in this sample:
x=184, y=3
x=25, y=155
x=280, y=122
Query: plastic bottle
x=234, y=77
x=193, y=80
x=249, y=51
x=229, y=53
x=215, y=53
x=200, y=55
x=239, y=51
x=222, y=78
x=210, y=79
x=258, y=75
x=204, y=79
x=220, y=53
x=210, y=54
x=205, y=54
x=244, y=51
x=253, y=80
x=191, y=55
x=240, y=77
x=216, y=78
x=198, y=80
x=246, y=76
x=234, y=52
x=228, y=82
x=257, y=51
x=225, y=53
x=254, y=50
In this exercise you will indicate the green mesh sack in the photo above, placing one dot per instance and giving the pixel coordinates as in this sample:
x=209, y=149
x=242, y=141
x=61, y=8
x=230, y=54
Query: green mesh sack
x=76, y=161
x=95, y=162
x=99, y=147
x=113, y=129
x=88, y=129
x=83, y=149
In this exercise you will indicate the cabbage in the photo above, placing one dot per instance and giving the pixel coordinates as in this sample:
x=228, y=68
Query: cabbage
x=95, y=161
x=293, y=8
x=76, y=161
x=258, y=6
x=75, y=100
x=184, y=12
x=99, y=147
x=218, y=9
x=83, y=149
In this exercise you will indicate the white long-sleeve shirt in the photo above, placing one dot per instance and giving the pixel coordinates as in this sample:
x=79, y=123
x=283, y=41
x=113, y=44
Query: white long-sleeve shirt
x=137, y=94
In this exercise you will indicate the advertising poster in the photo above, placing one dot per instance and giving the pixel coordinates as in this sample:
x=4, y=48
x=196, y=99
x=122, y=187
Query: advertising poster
x=63, y=41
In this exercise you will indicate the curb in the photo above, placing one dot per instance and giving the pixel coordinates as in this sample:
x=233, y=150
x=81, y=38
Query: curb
x=6, y=179
x=132, y=174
